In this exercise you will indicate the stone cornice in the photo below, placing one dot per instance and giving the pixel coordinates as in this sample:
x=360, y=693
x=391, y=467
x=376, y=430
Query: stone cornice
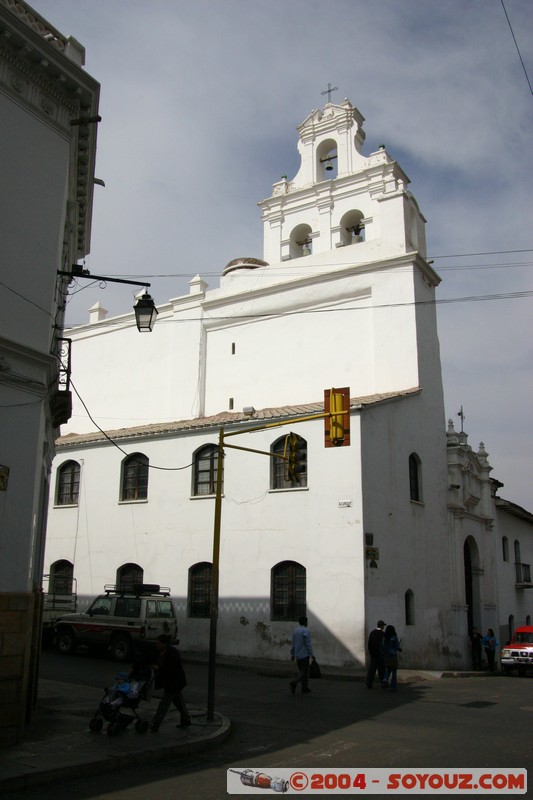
x=37, y=73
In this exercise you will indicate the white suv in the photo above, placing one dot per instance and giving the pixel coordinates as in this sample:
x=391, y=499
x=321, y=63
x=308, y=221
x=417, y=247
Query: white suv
x=123, y=621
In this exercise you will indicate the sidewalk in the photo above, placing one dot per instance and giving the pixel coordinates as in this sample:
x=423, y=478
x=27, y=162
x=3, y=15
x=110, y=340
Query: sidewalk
x=59, y=743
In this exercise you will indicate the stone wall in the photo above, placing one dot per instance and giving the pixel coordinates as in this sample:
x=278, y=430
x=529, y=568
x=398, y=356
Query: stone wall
x=19, y=654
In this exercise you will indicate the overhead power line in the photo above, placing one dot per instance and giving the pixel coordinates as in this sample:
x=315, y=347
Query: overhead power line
x=274, y=315
x=115, y=444
x=517, y=48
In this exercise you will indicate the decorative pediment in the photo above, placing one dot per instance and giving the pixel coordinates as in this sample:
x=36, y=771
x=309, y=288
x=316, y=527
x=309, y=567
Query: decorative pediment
x=330, y=117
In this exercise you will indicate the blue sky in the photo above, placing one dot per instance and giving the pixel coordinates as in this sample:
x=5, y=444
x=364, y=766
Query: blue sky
x=200, y=102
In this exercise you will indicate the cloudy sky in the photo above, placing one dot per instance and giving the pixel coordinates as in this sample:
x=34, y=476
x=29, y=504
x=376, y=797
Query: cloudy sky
x=200, y=100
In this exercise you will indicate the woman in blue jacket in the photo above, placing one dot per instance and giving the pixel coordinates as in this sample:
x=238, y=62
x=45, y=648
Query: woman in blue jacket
x=391, y=648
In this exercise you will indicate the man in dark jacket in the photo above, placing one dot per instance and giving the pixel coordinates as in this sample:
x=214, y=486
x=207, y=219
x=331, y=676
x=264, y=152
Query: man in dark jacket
x=170, y=677
x=375, y=651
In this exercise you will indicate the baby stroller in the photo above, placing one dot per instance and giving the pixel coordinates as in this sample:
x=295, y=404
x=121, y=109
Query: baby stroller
x=114, y=704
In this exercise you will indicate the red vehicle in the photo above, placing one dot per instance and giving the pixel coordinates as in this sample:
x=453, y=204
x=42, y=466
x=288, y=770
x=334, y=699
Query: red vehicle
x=518, y=654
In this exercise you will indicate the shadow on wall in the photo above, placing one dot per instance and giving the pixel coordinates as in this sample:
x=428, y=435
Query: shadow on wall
x=245, y=630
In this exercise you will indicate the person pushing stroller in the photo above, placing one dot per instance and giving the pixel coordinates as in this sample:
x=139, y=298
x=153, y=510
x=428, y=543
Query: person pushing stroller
x=169, y=676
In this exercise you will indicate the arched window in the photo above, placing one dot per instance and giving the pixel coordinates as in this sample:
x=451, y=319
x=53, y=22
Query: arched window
x=300, y=242
x=528, y=620
x=135, y=477
x=129, y=576
x=205, y=470
x=279, y=476
x=415, y=478
x=352, y=229
x=517, y=557
x=288, y=591
x=505, y=548
x=68, y=484
x=61, y=578
x=409, y=608
x=199, y=594
x=511, y=626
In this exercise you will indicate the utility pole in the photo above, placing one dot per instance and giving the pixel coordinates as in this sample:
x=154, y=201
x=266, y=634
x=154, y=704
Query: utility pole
x=337, y=407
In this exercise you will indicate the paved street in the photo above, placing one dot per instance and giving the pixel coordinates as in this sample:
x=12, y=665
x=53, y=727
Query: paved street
x=481, y=721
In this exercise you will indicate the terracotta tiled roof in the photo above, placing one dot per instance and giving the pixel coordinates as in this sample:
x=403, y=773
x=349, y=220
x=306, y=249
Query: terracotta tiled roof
x=224, y=419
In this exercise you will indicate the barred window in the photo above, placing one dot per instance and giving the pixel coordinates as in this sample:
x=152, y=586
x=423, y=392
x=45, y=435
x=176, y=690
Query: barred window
x=205, y=470
x=61, y=578
x=68, y=484
x=199, y=595
x=288, y=591
x=135, y=477
x=129, y=576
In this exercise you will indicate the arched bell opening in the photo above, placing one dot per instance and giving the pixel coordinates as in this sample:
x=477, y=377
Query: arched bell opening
x=327, y=163
x=300, y=242
x=352, y=228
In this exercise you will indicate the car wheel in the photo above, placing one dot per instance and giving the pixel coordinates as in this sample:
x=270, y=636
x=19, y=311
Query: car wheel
x=65, y=642
x=507, y=669
x=521, y=671
x=121, y=648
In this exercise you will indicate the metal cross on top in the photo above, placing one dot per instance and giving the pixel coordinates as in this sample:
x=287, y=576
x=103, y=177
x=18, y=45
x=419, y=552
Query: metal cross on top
x=329, y=90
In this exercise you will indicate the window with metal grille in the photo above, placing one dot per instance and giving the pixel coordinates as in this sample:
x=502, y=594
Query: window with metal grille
x=415, y=478
x=135, y=477
x=129, y=576
x=68, y=484
x=279, y=477
x=61, y=578
x=199, y=596
x=205, y=470
x=288, y=591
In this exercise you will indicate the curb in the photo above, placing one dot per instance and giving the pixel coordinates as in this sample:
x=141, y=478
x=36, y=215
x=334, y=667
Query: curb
x=114, y=761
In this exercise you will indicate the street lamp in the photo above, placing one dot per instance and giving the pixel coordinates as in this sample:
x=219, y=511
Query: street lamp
x=144, y=308
x=145, y=313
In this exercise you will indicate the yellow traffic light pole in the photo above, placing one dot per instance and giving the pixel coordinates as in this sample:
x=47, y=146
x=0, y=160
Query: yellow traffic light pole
x=333, y=415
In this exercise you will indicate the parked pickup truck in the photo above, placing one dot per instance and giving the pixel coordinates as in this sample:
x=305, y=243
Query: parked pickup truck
x=122, y=621
x=518, y=654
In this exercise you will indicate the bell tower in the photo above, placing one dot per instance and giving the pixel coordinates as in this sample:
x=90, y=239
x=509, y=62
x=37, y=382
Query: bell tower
x=340, y=197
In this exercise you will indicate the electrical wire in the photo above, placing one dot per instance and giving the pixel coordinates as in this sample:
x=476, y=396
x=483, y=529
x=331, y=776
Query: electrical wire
x=26, y=299
x=517, y=48
x=333, y=264
x=272, y=315
x=112, y=441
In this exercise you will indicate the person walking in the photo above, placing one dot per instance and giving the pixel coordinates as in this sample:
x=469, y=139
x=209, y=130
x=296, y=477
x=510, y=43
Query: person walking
x=391, y=648
x=169, y=676
x=302, y=651
x=490, y=644
x=375, y=651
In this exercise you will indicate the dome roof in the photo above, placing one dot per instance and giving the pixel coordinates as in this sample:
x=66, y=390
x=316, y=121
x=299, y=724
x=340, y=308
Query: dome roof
x=244, y=263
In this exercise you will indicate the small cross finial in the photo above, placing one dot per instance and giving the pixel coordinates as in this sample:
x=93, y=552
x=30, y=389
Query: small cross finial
x=462, y=415
x=329, y=90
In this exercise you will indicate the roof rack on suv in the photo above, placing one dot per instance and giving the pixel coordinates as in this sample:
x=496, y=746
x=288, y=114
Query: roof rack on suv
x=138, y=589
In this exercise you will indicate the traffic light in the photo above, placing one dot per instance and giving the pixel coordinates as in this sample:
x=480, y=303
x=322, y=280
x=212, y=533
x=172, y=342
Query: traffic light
x=337, y=417
x=295, y=453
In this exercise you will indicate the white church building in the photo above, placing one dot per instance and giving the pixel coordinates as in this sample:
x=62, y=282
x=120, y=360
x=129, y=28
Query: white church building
x=399, y=523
